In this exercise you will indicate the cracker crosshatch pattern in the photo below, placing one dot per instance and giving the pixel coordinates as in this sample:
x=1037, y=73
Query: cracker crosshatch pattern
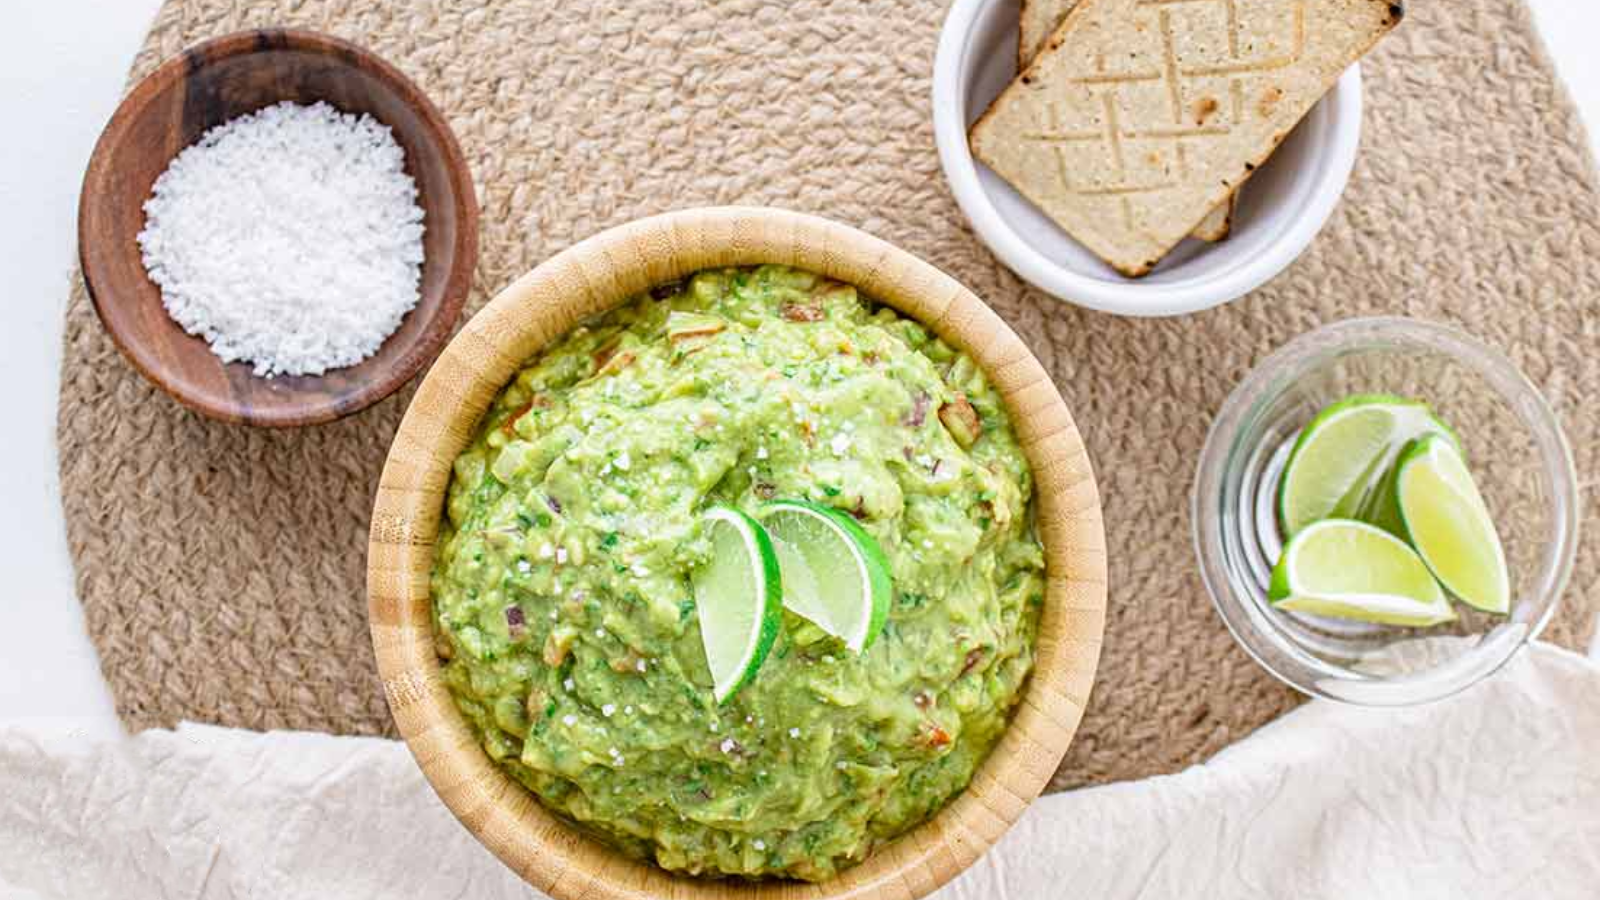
x=1142, y=116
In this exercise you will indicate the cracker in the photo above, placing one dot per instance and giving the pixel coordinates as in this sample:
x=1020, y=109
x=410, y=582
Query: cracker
x=1141, y=116
x=1038, y=19
x=1218, y=223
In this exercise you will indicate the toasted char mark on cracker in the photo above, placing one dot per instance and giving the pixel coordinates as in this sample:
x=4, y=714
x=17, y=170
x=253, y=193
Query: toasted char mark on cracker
x=1124, y=190
x=1269, y=99
x=1067, y=137
x=1113, y=78
x=1039, y=16
x=1171, y=75
x=1165, y=57
x=1249, y=67
x=1114, y=134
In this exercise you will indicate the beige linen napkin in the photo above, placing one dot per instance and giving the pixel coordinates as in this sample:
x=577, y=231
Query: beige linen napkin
x=1493, y=793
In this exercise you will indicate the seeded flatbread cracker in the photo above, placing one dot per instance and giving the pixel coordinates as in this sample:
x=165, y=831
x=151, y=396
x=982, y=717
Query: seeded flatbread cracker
x=1038, y=18
x=1218, y=223
x=1141, y=116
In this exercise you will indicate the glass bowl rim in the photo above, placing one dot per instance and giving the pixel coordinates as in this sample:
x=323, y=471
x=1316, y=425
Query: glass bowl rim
x=1300, y=354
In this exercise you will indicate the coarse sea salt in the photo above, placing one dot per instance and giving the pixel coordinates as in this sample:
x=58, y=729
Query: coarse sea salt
x=289, y=238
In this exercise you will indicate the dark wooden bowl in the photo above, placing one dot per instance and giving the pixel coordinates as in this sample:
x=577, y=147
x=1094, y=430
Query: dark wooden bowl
x=206, y=86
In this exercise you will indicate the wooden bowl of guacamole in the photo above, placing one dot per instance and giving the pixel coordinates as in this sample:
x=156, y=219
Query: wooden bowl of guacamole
x=540, y=519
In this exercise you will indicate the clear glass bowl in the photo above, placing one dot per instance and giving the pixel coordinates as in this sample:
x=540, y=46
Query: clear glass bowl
x=1517, y=454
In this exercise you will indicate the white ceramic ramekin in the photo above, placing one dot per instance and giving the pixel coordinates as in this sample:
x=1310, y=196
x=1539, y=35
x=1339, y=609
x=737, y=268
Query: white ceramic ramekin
x=1282, y=208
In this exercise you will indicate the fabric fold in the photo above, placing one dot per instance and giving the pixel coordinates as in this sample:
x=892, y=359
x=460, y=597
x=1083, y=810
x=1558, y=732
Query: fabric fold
x=1491, y=793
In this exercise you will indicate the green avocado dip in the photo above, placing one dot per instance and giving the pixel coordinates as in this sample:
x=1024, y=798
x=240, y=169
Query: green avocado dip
x=563, y=599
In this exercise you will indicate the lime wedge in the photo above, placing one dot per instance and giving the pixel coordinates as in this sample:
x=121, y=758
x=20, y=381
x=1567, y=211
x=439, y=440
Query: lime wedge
x=739, y=598
x=1342, y=456
x=834, y=572
x=1447, y=521
x=1352, y=570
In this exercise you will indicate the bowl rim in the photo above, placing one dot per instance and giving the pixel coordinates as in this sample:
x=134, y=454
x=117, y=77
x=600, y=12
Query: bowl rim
x=1330, y=341
x=593, y=276
x=100, y=285
x=1133, y=298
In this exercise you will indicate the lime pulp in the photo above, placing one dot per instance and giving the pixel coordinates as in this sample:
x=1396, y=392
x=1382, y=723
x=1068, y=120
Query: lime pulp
x=1446, y=520
x=739, y=598
x=1352, y=570
x=834, y=573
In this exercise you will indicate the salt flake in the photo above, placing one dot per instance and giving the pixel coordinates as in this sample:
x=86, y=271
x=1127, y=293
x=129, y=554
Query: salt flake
x=238, y=239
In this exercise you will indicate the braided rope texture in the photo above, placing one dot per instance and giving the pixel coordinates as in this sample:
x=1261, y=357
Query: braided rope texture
x=221, y=569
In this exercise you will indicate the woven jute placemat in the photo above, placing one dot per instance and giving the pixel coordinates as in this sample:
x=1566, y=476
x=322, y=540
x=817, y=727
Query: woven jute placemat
x=221, y=568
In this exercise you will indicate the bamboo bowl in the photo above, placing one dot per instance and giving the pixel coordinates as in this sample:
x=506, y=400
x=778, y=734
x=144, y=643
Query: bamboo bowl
x=590, y=278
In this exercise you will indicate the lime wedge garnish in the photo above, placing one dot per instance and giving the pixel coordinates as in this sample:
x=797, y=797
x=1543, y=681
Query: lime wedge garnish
x=739, y=599
x=1447, y=521
x=1342, y=456
x=834, y=572
x=1352, y=570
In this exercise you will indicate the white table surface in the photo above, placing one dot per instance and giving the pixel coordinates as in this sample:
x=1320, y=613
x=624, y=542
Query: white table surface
x=61, y=73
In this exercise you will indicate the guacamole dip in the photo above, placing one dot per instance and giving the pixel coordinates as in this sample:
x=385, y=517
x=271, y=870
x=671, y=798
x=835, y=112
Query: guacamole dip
x=563, y=596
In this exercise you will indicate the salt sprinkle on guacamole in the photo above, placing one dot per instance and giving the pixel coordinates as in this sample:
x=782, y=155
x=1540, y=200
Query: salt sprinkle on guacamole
x=562, y=594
